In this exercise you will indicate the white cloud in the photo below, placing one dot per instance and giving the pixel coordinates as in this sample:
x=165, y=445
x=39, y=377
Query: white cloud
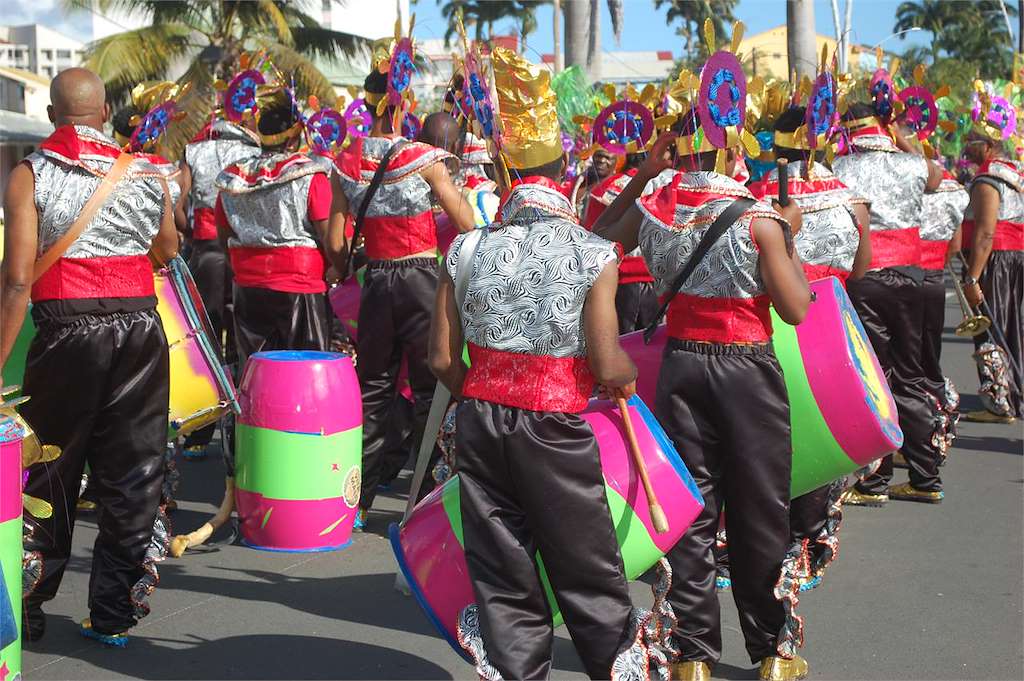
x=50, y=13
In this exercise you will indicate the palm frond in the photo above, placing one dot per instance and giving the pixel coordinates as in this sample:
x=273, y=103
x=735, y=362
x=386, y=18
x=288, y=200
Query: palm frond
x=323, y=42
x=307, y=77
x=124, y=59
x=273, y=18
x=200, y=100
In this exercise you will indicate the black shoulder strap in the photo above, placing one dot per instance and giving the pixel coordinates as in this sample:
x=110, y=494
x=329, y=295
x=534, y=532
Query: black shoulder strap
x=993, y=181
x=371, y=191
x=724, y=221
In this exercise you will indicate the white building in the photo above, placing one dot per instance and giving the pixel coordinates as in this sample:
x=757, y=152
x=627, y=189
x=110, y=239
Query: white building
x=38, y=49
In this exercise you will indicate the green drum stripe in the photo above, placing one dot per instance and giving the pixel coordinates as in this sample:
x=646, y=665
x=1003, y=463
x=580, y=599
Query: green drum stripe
x=10, y=595
x=817, y=455
x=295, y=466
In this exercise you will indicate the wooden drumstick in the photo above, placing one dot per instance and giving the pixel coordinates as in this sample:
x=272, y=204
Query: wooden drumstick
x=783, y=166
x=182, y=542
x=657, y=514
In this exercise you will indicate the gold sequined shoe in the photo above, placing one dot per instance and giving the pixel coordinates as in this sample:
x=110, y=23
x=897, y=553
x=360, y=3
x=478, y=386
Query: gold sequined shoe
x=85, y=506
x=985, y=416
x=782, y=669
x=907, y=492
x=691, y=670
x=854, y=497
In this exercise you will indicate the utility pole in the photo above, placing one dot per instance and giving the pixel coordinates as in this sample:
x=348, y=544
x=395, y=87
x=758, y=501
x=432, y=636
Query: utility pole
x=556, y=21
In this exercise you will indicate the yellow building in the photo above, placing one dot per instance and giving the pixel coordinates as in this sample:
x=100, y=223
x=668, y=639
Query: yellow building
x=766, y=54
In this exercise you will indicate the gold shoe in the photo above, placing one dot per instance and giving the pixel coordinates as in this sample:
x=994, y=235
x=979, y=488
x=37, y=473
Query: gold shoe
x=782, y=669
x=691, y=670
x=906, y=492
x=985, y=416
x=855, y=497
x=84, y=506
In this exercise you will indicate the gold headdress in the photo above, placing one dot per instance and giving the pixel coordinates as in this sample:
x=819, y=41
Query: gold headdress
x=395, y=58
x=628, y=124
x=157, y=101
x=258, y=85
x=992, y=114
x=825, y=102
x=531, y=135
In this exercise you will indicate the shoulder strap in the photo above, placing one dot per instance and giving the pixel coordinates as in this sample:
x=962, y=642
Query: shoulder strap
x=724, y=221
x=96, y=201
x=464, y=266
x=371, y=191
x=994, y=181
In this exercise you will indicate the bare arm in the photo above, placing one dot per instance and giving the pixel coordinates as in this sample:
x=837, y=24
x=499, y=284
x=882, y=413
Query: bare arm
x=985, y=208
x=165, y=244
x=449, y=196
x=782, y=274
x=21, y=235
x=955, y=244
x=445, y=346
x=862, y=259
x=609, y=363
x=620, y=222
x=184, y=178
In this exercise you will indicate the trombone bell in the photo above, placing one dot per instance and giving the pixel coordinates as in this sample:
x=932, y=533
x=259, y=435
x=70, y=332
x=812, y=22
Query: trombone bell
x=972, y=326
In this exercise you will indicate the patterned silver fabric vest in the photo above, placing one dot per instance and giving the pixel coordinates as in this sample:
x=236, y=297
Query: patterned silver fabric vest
x=893, y=182
x=230, y=143
x=272, y=212
x=531, y=275
x=1011, y=197
x=943, y=211
x=131, y=216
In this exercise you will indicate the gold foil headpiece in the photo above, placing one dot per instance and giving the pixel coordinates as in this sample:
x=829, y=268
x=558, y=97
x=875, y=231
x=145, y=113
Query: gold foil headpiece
x=531, y=135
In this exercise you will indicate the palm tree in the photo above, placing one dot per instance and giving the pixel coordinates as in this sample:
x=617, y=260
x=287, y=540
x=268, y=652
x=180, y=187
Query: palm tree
x=930, y=15
x=972, y=30
x=484, y=14
x=800, y=37
x=207, y=37
x=583, y=33
x=692, y=14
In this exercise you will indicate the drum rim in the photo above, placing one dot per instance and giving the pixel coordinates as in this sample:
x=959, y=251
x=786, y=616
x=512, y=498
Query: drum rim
x=668, y=448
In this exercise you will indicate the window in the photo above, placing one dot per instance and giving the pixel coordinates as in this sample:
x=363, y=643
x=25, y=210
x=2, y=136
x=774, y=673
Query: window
x=48, y=55
x=63, y=54
x=48, y=71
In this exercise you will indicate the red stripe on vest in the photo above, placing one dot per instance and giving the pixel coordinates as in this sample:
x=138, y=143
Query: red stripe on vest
x=895, y=248
x=298, y=269
x=204, y=224
x=123, y=276
x=396, y=236
x=531, y=382
x=719, y=320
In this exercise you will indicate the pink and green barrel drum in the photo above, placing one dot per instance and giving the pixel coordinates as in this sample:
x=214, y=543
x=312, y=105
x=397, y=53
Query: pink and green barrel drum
x=11, y=436
x=429, y=546
x=298, y=450
x=842, y=414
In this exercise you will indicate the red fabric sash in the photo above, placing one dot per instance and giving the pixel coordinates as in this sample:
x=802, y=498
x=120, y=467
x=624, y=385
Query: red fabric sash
x=297, y=269
x=125, y=276
x=895, y=248
x=815, y=272
x=719, y=320
x=633, y=270
x=1009, y=236
x=933, y=254
x=531, y=382
x=396, y=236
x=204, y=224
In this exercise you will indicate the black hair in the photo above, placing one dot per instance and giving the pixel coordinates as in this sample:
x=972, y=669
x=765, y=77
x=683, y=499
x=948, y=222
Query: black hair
x=276, y=117
x=376, y=83
x=634, y=161
x=858, y=110
x=791, y=119
x=551, y=170
x=122, y=120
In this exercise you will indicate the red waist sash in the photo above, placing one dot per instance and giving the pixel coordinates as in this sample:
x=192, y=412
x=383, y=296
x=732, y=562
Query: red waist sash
x=933, y=254
x=389, y=236
x=127, y=276
x=204, y=224
x=719, y=320
x=633, y=270
x=895, y=248
x=298, y=269
x=531, y=382
x=1009, y=236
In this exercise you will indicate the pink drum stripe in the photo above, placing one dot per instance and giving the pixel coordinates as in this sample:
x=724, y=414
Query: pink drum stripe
x=620, y=473
x=841, y=395
x=318, y=396
x=10, y=480
x=285, y=525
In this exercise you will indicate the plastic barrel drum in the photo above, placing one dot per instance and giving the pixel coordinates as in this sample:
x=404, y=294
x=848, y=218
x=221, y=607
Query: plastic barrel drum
x=841, y=411
x=429, y=547
x=10, y=548
x=298, y=451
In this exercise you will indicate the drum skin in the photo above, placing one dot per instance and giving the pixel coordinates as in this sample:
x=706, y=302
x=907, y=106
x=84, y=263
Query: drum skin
x=10, y=547
x=429, y=547
x=842, y=414
x=298, y=451
x=201, y=390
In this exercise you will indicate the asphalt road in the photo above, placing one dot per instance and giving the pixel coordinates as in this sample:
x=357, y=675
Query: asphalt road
x=918, y=592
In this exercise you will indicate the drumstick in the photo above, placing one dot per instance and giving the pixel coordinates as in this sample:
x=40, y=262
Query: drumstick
x=783, y=166
x=657, y=514
x=186, y=541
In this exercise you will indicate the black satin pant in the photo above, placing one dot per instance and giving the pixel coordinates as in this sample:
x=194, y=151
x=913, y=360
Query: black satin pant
x=212, y=273
x=727, y=411
x=892, y=306
x=531, y=482
x=99, y=388
x=394, y=321
x=275, y=320
x=1002, y=282
x=636, y=305
x=933, y=293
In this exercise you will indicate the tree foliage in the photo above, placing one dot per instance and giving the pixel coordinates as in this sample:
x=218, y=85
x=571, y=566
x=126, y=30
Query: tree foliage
x=691, y=15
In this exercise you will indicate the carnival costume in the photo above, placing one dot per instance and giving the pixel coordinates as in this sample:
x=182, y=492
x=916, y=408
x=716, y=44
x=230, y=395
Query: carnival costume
x=97, y=372
x=398, y=290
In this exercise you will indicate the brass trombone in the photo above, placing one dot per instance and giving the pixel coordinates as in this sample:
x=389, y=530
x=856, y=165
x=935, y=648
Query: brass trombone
x=974, y=323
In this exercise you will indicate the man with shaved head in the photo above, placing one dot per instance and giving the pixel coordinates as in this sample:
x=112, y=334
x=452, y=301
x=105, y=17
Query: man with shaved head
x=84, y=223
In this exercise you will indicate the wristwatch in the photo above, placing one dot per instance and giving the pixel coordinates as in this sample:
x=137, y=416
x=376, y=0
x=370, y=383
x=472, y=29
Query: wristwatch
x=970, y=281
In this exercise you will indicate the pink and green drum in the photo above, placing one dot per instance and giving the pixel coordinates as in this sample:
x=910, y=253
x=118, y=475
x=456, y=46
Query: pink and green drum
x=11, y=435
x=429, y=546
x=298, y=451
x=842, y=414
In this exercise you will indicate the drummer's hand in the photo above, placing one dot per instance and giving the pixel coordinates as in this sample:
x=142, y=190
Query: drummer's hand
x=792, y=214
x=625, y=391
x=973, y=294
x=331, y=276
